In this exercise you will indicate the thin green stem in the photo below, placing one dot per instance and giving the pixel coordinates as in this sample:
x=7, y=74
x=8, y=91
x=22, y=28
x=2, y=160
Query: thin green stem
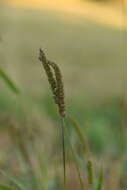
x=63, y=150
x=74, y=158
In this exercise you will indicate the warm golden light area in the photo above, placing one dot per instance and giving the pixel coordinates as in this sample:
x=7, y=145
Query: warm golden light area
x=104, y=14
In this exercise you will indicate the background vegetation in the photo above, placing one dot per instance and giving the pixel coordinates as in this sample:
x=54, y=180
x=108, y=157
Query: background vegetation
x=92, y=58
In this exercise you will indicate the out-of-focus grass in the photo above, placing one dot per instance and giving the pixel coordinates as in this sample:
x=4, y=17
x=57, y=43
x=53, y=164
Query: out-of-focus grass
x=93, y=62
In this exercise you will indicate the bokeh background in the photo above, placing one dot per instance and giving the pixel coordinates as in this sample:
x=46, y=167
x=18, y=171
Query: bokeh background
x=87, y=39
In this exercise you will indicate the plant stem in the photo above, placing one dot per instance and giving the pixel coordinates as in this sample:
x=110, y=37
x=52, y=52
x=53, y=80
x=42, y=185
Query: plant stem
x=63, y=150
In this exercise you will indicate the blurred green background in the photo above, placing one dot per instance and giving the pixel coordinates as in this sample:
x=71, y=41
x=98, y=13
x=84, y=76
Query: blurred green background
x=92, y=57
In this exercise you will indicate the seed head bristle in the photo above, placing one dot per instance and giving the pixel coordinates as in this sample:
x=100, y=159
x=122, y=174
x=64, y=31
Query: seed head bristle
x=55, y=82
x=42, y=56
x=49, y=73
x=60, y=88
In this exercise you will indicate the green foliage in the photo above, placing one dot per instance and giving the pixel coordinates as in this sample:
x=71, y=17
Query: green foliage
x=86, y=150
x=80, y=135
x=74, y=155
x=5, y=187
x=14, y=181
x=8, y=82
x=90, y=172
x=100, y=180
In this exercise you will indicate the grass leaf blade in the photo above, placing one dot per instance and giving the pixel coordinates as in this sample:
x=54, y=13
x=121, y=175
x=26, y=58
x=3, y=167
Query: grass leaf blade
x=15, y=181
x=75, y=159
x=100, y=180
x=9, y=82
x=80, y=135
x=5, y=187
x=84, y=144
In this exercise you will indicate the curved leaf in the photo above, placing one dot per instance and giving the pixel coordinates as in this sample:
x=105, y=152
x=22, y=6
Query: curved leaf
x=86, y=150
x=80, y=135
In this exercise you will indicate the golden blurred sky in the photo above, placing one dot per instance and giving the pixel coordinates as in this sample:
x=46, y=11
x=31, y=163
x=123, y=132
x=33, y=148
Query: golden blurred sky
x=100, y=13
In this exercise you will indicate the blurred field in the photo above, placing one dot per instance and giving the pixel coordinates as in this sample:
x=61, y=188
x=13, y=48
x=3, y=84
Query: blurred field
x=93, y=53
x=92, y=57
x=109, y=14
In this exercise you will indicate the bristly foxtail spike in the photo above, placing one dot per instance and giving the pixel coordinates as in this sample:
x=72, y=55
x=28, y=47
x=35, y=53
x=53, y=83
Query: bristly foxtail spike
x=57, y=88
x=49, y=73
x=60, y=88
x=42, y=56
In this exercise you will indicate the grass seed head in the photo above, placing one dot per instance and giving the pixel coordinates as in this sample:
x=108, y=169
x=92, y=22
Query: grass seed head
x=55, y=80
x=49, y=73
